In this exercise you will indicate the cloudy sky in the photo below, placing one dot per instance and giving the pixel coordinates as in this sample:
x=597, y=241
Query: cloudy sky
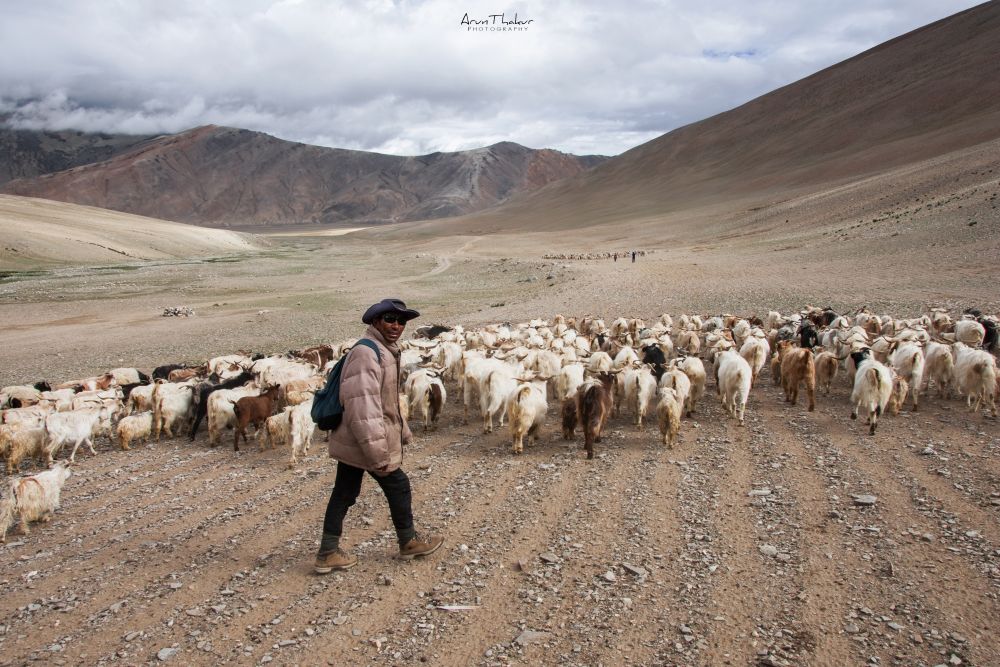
x=410, y=77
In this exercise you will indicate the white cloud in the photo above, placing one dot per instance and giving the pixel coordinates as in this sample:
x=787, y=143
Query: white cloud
x=405, y=77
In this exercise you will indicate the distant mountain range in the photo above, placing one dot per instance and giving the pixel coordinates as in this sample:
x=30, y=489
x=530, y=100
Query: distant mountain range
x=226, y=177
x=919, y=96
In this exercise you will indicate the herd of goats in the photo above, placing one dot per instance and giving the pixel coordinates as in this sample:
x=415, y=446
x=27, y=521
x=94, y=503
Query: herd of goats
x=509, y=372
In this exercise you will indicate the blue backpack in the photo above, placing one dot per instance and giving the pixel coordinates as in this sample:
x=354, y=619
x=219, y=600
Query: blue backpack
x=327, y=410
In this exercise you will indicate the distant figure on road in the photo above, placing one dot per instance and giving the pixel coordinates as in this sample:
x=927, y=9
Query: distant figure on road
x=371, y=437
x=616, y=257
x=633, y=256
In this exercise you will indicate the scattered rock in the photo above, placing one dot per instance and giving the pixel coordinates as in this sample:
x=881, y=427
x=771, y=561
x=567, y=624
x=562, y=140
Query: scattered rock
x=865, y=500
x=530, y=637
x=165, y=654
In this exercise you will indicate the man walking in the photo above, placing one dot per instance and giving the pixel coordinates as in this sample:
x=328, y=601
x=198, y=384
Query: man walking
x=371, y=437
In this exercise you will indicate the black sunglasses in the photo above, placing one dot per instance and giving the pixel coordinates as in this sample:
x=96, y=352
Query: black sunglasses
x=393, y=319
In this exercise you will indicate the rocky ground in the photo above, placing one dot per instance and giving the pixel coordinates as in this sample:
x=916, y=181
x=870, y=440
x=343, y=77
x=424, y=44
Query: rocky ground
x=796, y=540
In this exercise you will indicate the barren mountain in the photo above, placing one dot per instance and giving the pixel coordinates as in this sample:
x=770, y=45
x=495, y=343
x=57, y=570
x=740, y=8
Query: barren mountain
x=932, y=92
x=219, y=176
x=29, y=153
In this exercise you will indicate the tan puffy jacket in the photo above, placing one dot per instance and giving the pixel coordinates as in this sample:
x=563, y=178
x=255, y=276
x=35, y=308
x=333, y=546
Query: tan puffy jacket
x=373, y=431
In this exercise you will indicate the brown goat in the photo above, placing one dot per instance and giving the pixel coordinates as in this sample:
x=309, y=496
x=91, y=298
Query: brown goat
x=594, y=404
x=827, y=365
x=253, y=410
x=569, y=418
x=797, y=367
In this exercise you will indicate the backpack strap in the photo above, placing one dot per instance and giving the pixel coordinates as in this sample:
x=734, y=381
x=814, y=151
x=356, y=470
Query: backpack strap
x=367, y=342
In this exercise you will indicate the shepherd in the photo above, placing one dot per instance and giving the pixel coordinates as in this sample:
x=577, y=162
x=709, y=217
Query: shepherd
x=371, y=438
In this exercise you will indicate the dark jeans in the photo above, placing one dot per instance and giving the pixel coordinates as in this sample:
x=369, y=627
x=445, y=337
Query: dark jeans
x=347, y=487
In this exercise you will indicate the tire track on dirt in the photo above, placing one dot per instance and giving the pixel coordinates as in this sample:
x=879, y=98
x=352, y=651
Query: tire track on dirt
x=261, y=570
x=653, y=525
x=114, y=548
x=565, y=550
x=932, y=572
x=518, y=488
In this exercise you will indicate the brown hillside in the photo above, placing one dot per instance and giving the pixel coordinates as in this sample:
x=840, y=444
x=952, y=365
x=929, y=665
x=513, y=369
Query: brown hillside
x=928, y=93
x=219, y=176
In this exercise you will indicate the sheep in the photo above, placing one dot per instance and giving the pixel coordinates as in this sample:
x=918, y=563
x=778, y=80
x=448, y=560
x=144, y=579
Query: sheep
x=976, y=375
x=908, y=360
x=939, y=366
x=253, y=410
x=732, y=377
x=797, y=367
x=872, y=391
x=827, y=365
x=527, y=406
x=594, y=404
x=668, y=412
x=695, y=370
x=899, y=388
x=134, y=427
x=756, y=351
x=426, y=392
x=32, y=498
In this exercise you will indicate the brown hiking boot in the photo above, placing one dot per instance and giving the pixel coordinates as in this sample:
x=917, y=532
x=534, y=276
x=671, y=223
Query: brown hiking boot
x=334, y=560
x=420, y=546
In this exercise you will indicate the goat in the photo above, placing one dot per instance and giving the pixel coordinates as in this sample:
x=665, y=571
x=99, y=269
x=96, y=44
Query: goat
x=205, y=389
x=695, y=370
x=253, y=410
x=797, y=367
x=939, y=366
x=976, y=375
x=426, y=392
x=872, y=391
x=668, y=412
x=32, y=498
x=755, y=351
x=132, y=427
x=594, y=403
x=678, y=380
x=908, y=360
x=732, y=378
x=19, y=441
x=526, y=406
x=827, y=365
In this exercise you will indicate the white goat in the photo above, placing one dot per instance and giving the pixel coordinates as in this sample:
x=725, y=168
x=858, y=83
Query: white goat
x=526, y=405
x=872, y=391
x=733, y=376
x=32, y=498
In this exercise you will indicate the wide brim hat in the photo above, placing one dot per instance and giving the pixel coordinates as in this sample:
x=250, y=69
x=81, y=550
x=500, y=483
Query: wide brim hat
x=388, y=306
